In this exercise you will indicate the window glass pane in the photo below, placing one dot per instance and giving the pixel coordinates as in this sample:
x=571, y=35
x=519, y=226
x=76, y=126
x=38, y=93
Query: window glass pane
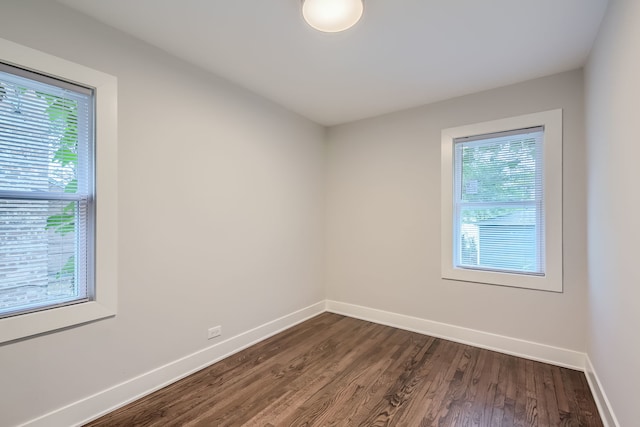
x=39, y=134
x=499, y=169
x=499, y=205
x=500, y=238
x=39, y=253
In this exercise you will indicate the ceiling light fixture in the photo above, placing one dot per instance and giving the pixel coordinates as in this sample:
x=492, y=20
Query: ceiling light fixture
x=332, y=16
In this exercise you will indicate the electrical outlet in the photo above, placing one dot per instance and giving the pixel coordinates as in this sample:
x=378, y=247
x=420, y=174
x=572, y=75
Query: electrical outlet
x=216, y=331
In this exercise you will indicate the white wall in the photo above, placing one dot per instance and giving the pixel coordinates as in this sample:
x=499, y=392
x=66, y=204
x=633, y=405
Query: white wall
x=383, y=218
x=220, y=213
x=613, y=112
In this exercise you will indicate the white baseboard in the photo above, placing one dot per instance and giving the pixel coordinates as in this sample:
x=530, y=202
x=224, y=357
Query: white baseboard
x=503, y=344
x=604, y=406
x=101, y=403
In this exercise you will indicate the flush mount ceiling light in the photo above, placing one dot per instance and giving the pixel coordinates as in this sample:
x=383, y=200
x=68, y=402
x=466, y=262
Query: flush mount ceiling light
x=332, y=16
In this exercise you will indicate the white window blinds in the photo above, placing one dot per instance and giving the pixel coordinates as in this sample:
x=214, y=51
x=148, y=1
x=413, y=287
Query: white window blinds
x=46, y=192
x=498, y=202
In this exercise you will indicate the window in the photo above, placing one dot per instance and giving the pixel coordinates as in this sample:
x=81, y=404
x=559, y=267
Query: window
x=501, y=202
x=498, y=221
x=57, y=197
x=46, y=192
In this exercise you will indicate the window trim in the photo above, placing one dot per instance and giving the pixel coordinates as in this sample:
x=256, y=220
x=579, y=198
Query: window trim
x=104, y=303
x=552, y=161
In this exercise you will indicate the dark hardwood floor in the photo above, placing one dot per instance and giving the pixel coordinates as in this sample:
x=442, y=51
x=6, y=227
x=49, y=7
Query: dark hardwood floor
x=338, y=371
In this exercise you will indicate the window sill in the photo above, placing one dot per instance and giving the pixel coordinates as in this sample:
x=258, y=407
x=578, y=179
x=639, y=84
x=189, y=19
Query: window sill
x=39, y=322
x=513, y=280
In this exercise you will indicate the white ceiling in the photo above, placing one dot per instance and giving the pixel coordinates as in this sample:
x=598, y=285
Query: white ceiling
x=403, y=53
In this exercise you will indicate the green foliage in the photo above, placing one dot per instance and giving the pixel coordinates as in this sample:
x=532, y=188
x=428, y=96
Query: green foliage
x=72, y=186
x=478, y=215
x=63, y=114
x=65, y=157
x=500, y=172
x=503, y=172
x=69, y=268
x=65, y=222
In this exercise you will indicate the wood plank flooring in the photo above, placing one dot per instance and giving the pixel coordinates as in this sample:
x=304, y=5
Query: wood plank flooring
x=338, y=371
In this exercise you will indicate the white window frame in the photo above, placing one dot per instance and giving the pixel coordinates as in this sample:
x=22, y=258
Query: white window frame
x=552, y=189
x=104, y=302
